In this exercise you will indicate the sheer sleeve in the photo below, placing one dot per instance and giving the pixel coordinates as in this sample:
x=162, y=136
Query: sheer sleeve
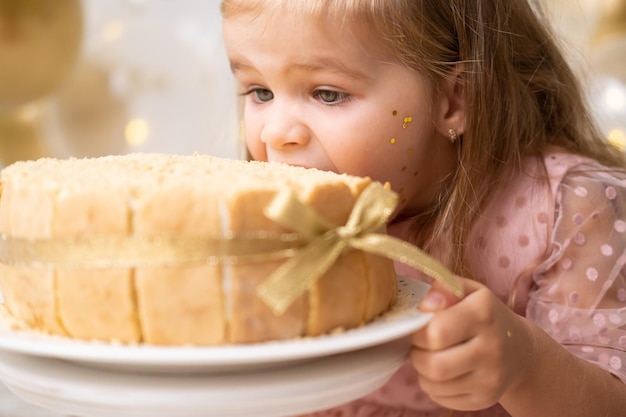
x=579, y=296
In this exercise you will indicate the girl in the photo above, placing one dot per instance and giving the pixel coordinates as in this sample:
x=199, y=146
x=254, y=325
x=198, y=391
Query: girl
x=470, y=111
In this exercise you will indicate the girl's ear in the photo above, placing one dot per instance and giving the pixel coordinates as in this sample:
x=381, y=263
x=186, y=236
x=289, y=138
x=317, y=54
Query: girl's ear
x=450, y=110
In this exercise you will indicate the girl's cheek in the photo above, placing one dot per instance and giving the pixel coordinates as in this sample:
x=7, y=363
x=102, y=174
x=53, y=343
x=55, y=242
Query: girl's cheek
x=400, y=149
x=254, y=145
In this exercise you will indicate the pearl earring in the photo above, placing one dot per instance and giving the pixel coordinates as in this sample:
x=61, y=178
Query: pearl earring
x=452, y=135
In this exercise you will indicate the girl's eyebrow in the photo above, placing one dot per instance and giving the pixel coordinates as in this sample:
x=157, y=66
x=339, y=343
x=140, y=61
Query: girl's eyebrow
x=336, y=67
x=323, y=64
x=238, y=66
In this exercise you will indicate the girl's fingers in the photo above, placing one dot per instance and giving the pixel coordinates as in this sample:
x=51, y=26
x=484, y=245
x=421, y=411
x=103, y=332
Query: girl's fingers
x=461, y=397
x=454, y=325
x=458, y=323
x=445, y=365
x=440, y=296
x=466, y=356
x=459, y=377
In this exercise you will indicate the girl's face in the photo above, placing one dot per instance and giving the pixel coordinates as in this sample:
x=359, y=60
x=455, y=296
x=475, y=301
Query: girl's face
x=316, y=96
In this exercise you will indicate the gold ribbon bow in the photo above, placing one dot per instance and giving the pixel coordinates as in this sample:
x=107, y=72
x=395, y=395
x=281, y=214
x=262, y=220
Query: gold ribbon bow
x=371, y=212
x=311, y=250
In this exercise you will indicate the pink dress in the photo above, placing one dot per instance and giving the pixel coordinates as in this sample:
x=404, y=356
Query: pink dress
x=569, y=240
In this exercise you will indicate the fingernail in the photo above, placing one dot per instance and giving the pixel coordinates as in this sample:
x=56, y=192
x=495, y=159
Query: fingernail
x=433, y=301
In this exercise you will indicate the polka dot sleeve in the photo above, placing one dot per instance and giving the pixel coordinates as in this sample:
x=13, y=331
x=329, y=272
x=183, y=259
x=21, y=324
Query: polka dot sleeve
x=580, y=292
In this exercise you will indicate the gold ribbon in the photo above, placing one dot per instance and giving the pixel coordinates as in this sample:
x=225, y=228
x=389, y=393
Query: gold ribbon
x=371, y=212
x=115, y=251
x=311, y=250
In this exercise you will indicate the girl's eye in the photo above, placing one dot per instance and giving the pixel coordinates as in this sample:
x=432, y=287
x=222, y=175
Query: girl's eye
x=260, y=94
x=331, y=97
x=263, y=94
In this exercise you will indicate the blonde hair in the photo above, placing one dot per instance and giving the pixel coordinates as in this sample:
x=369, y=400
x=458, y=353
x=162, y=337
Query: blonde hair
x=520, y=93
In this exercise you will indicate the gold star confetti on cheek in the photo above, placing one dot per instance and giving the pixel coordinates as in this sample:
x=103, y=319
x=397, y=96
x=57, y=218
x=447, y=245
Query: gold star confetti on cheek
x=392, y=141
x=407, y=120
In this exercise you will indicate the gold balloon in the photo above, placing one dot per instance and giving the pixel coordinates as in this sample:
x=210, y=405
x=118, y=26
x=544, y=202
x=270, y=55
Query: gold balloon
x=91, y=118
x=612, y=22
x=20, y=135
x=39, y=43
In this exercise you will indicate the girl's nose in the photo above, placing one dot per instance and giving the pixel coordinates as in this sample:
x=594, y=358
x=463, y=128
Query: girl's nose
x=284, y=128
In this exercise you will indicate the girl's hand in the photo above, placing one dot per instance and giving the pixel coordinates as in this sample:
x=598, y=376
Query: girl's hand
x=473, y=352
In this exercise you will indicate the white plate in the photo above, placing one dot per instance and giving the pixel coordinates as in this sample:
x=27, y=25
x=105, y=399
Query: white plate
x=403, y=319
x=73, y=390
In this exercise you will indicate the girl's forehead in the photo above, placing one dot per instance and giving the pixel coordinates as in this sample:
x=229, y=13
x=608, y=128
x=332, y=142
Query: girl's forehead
x=309, y=8
x=272, y=16
x=337, y=15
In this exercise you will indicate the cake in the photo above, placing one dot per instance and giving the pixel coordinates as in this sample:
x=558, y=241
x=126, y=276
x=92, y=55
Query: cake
x=182, y=303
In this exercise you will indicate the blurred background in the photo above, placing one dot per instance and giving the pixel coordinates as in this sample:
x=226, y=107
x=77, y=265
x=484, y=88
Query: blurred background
x=94, y=77
x=593, y=34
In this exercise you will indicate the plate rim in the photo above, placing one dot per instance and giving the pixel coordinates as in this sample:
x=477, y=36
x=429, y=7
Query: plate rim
x=58, y=384
x=400, y=321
